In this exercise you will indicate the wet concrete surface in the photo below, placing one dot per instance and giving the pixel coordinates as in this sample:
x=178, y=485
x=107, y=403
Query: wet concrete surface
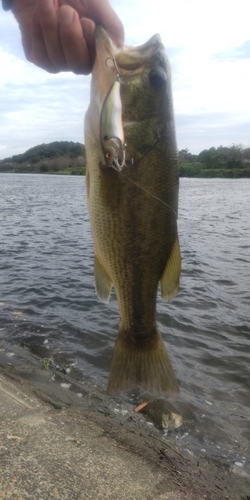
x=60, y=440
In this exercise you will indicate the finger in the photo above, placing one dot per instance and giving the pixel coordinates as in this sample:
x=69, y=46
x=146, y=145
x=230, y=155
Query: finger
x=74, y=45
x=48, y=18
x=102, y=14
x=38, y=53
x=88, y=29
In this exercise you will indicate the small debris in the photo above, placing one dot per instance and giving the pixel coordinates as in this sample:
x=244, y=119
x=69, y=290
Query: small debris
x=45, y=362
x=171, y=420
x=141, y=406
x=162, y=414
x=18, y=313
x=190, y=452
x=184, y=435
x=65, y=386
x=124, y=412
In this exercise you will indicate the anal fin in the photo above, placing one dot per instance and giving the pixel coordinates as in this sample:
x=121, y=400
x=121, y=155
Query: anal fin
x=171, y=276
x=103, y=282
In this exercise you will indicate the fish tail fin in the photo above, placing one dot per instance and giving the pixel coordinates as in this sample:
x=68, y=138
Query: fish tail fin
x=146, y=365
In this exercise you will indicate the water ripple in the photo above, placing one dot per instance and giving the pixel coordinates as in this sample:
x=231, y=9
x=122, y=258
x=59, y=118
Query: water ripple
x=47, y=290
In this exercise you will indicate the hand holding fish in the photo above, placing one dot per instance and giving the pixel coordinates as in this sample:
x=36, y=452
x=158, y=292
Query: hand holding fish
x=58, y=35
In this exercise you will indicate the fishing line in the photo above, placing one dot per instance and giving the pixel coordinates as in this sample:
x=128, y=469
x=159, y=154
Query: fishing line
x=148, y=192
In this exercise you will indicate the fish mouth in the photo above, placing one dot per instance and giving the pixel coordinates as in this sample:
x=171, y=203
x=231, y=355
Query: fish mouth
x=131, y=59
x=134, y=60
x=101, y=36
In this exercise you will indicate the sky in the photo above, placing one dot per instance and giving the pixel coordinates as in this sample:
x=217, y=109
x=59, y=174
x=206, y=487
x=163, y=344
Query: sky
x=207, y=43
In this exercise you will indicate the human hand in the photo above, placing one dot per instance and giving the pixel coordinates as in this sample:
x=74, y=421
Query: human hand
x=58, y=35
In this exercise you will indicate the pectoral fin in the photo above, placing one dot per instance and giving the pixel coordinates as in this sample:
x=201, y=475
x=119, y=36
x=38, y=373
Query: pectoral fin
x=171, y=276
x=103, y=282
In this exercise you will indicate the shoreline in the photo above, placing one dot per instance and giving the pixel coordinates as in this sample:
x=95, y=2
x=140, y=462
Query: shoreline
x=83, y=174
x=175, y=473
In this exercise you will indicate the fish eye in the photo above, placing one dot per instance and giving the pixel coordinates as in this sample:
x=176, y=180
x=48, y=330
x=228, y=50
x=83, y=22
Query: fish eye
x=157, y=78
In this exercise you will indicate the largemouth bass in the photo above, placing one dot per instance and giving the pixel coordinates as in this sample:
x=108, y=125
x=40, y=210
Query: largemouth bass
x=132, y=193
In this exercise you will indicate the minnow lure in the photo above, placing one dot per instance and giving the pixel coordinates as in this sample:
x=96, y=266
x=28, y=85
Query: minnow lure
x=111, y=129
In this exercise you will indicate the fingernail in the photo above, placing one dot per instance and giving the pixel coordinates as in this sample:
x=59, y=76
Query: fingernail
x=66, y=15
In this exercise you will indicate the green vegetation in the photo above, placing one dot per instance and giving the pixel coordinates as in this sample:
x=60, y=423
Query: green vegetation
x=233, y=162
x=69, y=158
x=44, y=151
x=63, y=157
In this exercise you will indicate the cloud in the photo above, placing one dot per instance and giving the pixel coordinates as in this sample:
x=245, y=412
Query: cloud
x=37, y=106
x=242, y=52
x=10, y=34
x=211, y=129
x=208, y=47
x=27, y=121
x=212, y=85
x=212, y=26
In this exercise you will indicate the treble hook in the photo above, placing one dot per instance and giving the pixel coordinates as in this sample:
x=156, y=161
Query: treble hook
x=115, y=65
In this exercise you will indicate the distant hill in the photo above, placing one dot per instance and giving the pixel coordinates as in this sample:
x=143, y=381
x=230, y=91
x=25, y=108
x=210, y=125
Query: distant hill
x=63, y=157
x=59, y=157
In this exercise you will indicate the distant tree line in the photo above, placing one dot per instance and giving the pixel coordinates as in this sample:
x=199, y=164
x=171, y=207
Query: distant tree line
x=233, y=161
x=70, y=158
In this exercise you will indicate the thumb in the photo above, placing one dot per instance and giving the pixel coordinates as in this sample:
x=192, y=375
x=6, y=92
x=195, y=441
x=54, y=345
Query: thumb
x=104, y=15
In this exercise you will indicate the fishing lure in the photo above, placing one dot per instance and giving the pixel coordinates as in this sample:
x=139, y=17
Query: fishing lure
x=111, y=129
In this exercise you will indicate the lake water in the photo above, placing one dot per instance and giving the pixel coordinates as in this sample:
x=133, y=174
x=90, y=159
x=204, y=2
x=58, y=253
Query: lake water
x=48, y=299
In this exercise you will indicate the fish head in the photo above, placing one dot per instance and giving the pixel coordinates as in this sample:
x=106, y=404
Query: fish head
x=130, y=93
x=146, y=94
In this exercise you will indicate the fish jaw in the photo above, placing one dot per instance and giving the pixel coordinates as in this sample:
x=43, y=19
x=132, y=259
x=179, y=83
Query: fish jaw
x=104, y=72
